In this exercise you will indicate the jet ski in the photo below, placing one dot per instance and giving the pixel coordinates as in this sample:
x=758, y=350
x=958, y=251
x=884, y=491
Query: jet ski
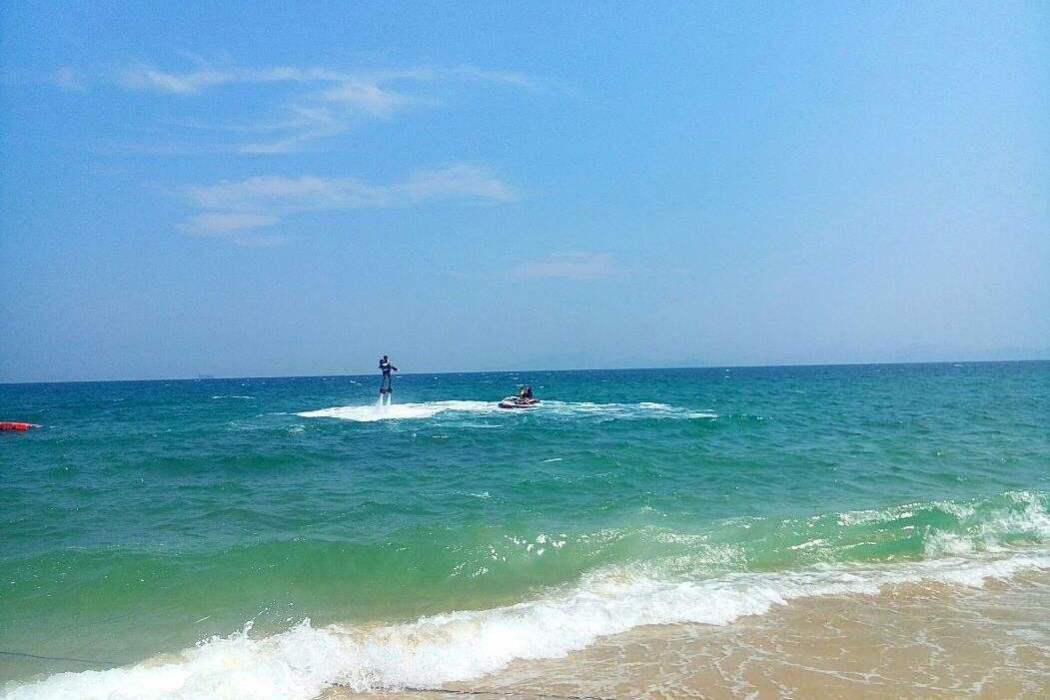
x=518, y=402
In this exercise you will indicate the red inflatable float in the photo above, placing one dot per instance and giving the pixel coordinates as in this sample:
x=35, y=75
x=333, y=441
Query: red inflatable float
x=17, y=427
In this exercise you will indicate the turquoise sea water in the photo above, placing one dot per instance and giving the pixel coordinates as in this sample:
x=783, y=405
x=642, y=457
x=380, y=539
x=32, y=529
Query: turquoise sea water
x=275, y=536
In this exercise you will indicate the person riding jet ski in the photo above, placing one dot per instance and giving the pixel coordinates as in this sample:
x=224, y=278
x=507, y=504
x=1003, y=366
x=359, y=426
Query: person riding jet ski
x=524, y=399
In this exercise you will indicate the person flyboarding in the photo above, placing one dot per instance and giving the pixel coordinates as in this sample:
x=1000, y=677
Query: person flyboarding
x=387, y=386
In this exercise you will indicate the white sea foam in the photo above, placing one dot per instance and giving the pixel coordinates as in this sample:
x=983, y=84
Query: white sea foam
x=627, y=411
x=656, y=406
x=301, y=662
x=407, y=411
x=942, y=543
x=1032, y=519
x=399, y=411
x=1023, y=517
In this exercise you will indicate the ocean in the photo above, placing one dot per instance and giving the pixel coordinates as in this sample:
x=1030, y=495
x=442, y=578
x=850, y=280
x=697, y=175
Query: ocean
x=838, y=531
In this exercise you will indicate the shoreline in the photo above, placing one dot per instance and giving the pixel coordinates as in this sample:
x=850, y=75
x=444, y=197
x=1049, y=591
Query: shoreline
x=984, y=633
x=931, y=640
x=947, y=627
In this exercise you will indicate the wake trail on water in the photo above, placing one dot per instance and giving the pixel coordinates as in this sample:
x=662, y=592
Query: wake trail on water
x=370, y=413
x=402, y=411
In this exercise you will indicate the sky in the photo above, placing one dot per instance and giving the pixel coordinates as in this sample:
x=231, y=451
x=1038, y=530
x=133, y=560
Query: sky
x=255, y=188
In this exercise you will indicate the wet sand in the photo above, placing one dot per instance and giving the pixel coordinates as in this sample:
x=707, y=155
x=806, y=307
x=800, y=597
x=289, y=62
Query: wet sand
x=913, y=641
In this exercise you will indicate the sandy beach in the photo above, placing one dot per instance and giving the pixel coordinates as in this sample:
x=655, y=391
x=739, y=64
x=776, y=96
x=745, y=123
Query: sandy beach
x=914, y=641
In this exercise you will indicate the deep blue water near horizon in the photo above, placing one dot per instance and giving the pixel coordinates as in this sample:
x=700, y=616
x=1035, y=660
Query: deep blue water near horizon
x=147, y=516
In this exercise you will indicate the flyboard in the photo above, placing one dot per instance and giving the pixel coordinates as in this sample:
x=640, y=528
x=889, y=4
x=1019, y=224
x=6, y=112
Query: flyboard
x=513, y=402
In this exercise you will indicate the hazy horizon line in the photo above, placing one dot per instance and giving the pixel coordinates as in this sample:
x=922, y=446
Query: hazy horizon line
x=205, y=377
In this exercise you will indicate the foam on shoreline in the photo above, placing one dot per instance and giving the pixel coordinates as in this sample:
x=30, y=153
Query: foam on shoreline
x=302, y=661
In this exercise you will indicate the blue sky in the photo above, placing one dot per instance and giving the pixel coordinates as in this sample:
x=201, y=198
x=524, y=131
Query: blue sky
x=261, y=189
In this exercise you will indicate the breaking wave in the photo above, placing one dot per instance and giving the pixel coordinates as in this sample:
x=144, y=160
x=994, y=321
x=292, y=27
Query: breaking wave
x=965, y=543
x=303, y=661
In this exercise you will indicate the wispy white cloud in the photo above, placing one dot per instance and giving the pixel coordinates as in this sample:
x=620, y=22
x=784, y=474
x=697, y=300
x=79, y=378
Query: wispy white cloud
x=68, y=78
x=329, y=102
x=146, y=77
x=367, y=97
x=218, y=223
x=143, y=76
x=461, y=180
x=284, y=194
x=241, y=206
x=575, y=265
x=494, y=76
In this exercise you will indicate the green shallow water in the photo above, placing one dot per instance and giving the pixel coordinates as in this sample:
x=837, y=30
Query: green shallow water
x=146, y=516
